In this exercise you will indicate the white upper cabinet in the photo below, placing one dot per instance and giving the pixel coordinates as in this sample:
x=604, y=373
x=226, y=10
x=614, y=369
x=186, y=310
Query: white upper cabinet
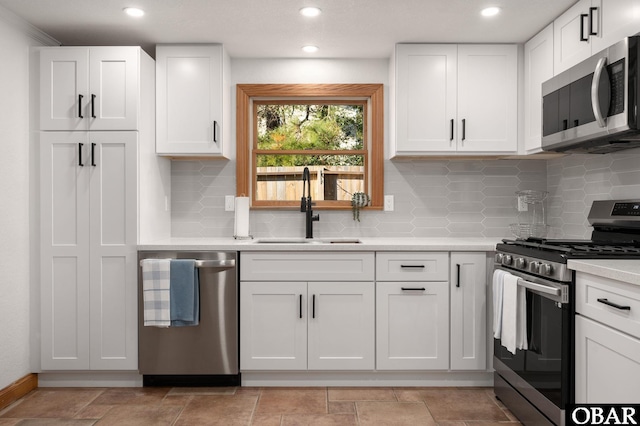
x=538, y=68
x=487, y=98
x=426, y=97
x=89, y=88
x=456, y=99
x=590, y=26
x=192, y=94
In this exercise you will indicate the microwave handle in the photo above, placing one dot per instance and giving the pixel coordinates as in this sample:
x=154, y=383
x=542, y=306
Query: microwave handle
x=595, y=88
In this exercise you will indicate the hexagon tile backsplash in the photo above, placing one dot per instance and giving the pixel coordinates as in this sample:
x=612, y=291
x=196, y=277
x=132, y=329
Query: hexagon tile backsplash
x=575, y=181
x=433, y=198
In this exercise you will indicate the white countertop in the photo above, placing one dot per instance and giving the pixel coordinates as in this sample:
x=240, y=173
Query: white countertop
x=367, y=244
x=615, y=269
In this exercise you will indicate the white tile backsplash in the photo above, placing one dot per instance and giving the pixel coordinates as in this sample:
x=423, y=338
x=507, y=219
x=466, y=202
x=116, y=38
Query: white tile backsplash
x=433, y=198
x=575, y=181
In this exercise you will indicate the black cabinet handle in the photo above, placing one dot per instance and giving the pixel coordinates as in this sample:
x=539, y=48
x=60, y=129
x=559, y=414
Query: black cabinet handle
x=614, y=305
x=464, y=129
x=412, y=288
x=591, y=10
x=565, y=124
x=313, y=307
x=412, y=266
x=458, y=280
x=576, y=123
x=300, y=307
x=93, y=154
x=93, y=106
x=451, y=131
x=80, y=106
x=582, y=17
x=80, y=155
x=215, y=133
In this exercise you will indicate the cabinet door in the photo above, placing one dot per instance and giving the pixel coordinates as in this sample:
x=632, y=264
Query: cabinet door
x=617, y=19
x=487, y=98
x=426, y=97
x=273, y=326
x=113, y=88
x=538, y=68
x=468, y=311
x=412, y=325
x=64, y=279
x=571, y=40
x=341, y=326
x=189, y=99
x=607, y=364
x=64, y=82
x=113, y=212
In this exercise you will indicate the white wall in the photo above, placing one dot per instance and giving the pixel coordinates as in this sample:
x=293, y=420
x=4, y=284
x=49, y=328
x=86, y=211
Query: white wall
x=14, y=193
x=16, y=156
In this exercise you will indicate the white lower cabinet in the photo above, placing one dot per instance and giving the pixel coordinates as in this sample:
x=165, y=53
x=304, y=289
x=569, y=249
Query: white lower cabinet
x=607, y=340
x=431, y=311
x=307, y=326
x=468, y=311
x=607, y=364
x=426, y=311
x=273, y=326
x=412, y=325
x=290, y=324
x=412, y=311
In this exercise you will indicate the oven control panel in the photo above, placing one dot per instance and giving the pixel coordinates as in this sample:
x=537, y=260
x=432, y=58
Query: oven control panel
x=534, y=266
x=626, y=209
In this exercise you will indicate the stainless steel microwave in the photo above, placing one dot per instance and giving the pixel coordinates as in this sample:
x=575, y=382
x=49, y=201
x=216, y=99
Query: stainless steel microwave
x=593, y=106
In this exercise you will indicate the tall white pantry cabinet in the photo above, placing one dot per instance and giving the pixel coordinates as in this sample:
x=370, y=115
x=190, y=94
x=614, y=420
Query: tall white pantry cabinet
x=102, y=189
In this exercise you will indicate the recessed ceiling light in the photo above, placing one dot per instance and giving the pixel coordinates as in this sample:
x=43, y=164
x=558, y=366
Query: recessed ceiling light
x=310, y=49
x=310, y=11
x=134, y=11
x=490, y=11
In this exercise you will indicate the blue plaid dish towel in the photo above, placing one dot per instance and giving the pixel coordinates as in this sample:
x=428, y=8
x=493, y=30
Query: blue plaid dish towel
x=156, y=287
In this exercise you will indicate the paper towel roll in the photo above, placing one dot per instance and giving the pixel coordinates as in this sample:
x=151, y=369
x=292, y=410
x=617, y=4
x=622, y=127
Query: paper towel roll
x=242, y=218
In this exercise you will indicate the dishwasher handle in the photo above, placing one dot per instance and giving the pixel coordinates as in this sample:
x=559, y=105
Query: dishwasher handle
x=219, y=264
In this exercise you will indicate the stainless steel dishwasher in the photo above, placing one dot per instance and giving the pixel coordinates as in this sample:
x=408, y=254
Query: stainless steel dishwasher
x=202, y=355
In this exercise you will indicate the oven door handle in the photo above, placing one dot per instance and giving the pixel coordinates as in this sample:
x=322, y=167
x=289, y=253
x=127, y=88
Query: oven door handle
x=539, y=287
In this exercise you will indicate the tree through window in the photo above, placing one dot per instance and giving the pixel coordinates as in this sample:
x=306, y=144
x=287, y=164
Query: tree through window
x=335, y=130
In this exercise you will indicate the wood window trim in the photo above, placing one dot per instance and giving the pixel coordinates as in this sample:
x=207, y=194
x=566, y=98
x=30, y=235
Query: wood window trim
x=373, y=92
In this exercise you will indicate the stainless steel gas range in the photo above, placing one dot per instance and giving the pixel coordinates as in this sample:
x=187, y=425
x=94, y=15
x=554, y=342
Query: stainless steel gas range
x=537, y=383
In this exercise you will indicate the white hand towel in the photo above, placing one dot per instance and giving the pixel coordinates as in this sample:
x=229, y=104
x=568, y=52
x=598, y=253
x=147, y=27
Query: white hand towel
x=498, y=277
x=509, y=312
x=156, y=292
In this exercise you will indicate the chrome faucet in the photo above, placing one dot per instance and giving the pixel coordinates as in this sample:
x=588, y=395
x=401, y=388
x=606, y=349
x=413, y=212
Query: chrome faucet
x=306, y=203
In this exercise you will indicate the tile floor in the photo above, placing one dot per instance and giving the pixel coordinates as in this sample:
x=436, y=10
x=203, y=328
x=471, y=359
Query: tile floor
x=258, y=406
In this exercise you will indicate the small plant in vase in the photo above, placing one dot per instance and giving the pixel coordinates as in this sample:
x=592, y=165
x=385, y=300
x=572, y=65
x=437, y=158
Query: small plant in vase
x=358, y=201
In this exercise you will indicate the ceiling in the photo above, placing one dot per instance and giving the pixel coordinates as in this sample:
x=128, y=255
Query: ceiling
x=275, y=29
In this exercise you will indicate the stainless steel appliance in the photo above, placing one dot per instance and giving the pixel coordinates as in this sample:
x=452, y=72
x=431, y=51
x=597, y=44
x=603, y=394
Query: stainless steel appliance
x=206, y=354
x=537, y=384
x=593, y=106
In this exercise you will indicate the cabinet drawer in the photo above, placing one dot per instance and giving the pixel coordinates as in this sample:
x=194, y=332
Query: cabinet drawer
x=412, y=266
x=595, y=297
x=306, y=266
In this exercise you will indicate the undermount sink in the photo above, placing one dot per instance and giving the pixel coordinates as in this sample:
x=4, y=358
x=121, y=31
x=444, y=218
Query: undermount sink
x=307, y=241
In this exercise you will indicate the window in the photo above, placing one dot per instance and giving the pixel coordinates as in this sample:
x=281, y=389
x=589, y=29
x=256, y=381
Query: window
x=335, y=130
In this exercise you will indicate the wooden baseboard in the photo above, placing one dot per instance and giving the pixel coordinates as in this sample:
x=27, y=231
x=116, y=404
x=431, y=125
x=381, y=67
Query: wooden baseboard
x=17, y=390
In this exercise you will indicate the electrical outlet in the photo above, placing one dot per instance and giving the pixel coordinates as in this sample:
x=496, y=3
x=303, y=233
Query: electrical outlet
x=229, y=203
x=388, y=203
